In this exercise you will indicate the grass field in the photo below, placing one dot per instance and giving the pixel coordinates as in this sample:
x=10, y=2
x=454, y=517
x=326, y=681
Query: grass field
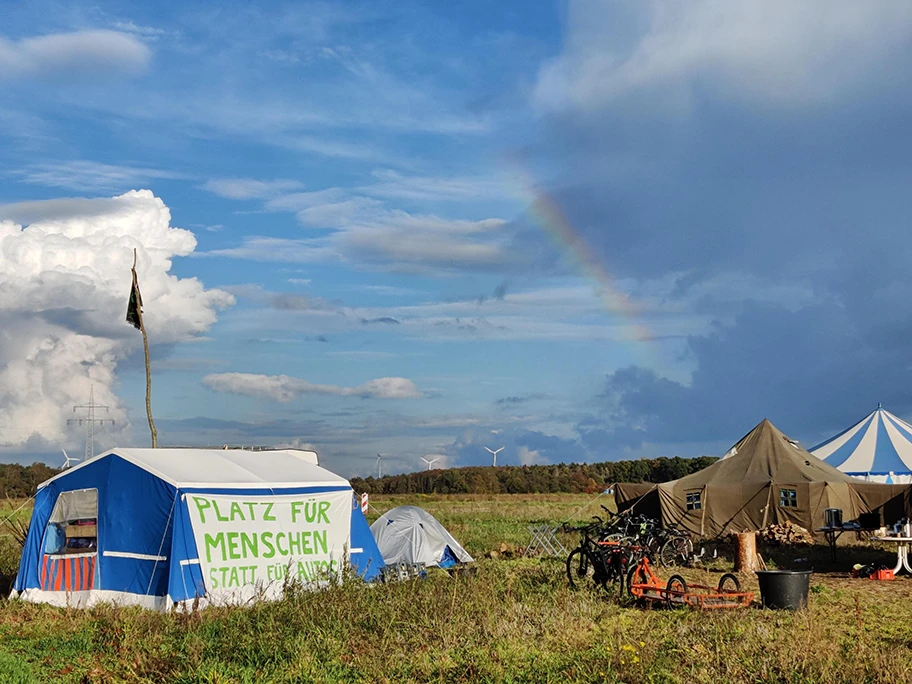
x=512, y=621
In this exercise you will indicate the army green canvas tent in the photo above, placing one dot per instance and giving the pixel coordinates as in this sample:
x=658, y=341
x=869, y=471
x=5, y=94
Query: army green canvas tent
x=765, y=478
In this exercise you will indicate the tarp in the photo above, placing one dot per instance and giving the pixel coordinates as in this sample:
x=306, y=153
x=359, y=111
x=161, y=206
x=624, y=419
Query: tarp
x=157, y=527
x=878, y=448
x=408, y=534
x=765, y=478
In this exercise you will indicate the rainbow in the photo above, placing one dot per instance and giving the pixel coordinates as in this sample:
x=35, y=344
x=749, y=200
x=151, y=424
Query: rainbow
x=547, y=213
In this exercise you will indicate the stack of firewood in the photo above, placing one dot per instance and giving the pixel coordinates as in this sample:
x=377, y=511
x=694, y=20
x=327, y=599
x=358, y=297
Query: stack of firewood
x=506, y=551
x=786, y=533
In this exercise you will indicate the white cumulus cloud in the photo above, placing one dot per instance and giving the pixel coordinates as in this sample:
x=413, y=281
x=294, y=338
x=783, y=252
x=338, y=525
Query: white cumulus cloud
x=73, y=53
x=285, y=388
x=64, y=284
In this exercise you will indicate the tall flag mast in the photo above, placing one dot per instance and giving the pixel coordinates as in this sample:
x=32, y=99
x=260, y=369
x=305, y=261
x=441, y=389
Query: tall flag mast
x=135, y=318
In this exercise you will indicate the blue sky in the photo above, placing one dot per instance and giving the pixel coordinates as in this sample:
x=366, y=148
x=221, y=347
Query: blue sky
x=582, y=230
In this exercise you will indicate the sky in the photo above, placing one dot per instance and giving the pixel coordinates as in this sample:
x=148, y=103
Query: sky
x=581, y=231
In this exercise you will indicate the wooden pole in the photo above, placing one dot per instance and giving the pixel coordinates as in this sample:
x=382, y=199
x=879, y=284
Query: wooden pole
x=746, y=555
x=142, y=329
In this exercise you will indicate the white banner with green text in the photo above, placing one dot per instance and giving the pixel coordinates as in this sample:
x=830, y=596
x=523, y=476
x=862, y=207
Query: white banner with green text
x=251, y=546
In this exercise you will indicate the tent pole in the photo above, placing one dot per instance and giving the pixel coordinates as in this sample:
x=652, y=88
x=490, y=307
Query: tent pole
x=705, y=497
x=769, y=498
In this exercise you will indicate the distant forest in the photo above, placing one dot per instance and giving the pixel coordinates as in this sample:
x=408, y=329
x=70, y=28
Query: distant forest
x=19, y=481
x=536, y=479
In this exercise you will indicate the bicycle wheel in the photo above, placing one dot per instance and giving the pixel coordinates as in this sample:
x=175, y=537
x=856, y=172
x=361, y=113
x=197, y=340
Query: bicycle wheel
x=677, y=585
x=676, y=551
x=616, y=563
x=729, y=582
x=580, y=569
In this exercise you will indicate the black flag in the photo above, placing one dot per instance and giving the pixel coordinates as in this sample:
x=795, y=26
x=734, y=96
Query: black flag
x=134, y=308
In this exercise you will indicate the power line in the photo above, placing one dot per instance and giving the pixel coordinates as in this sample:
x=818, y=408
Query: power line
x=89, y=420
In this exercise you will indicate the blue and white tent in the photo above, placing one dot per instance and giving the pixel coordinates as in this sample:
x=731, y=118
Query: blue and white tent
x=161, y=527
x=877, y=448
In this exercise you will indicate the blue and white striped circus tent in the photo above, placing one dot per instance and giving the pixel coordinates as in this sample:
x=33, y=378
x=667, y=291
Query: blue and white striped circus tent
x=164, y=527
x=878, y=448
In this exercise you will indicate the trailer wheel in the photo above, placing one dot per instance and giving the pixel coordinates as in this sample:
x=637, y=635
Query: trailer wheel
x=729, y=583
x=677, y=585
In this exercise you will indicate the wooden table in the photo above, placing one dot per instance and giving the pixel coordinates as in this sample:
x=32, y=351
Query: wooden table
x=902, y=552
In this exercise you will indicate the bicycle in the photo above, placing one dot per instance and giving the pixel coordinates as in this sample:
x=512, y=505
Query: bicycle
x=597, y=560
x=676, y=549
x=666, y=545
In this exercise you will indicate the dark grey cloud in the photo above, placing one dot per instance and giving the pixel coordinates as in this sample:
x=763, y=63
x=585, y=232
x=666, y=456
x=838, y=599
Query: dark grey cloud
x=799, y=187
x=388, y=320
x=516, y=400
x=810, y=371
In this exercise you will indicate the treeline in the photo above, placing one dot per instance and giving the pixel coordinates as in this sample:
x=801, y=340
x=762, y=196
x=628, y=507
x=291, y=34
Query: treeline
x=535, y=479
x=19, y=481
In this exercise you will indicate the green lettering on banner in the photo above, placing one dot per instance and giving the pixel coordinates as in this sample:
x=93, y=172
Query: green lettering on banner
x=311, y=570
x=216, y=542
x=266, y=515
x=295, y=510
x=249, y=541
x=324, y=507
x=310, y=511
x=319, y=537
x=250, y=505
x=266, y=538
x=279, y=536
x=213, y=580
x=202, y=505
x=232, y=539
x=236, y=512
x=294, y=541
x=218, y=513
x=305, y=542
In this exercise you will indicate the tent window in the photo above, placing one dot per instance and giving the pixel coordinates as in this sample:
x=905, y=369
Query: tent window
x=788, y=498
x=693, y=501
x=73, y=527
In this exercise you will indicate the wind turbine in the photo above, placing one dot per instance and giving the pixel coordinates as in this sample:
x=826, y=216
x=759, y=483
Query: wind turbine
x=69, y=459
x=494, y=454
x=379, y=470
x=431, y=462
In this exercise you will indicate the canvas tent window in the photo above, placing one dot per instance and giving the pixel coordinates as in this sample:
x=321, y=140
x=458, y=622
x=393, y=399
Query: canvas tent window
x=693, y=501
x=788, y=498
x=73, y=525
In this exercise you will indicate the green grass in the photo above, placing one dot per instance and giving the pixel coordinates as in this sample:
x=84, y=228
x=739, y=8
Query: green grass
x=482, y=522
x=512, y=621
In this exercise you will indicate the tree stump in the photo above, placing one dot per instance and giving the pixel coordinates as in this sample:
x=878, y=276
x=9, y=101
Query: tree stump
x=746, y=552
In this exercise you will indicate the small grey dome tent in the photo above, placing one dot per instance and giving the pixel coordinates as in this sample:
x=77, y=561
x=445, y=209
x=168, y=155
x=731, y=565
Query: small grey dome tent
x=408, y=534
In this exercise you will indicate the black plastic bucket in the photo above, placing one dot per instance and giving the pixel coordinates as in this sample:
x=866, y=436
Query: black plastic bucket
x=784, y=589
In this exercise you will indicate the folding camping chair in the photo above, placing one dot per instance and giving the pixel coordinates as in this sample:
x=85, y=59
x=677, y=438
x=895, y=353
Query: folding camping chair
x=544, y=541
